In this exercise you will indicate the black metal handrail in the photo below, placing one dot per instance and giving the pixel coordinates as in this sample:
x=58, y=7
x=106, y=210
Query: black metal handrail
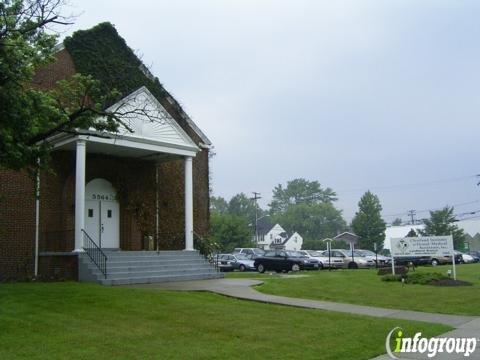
x=207, y=248
x=95, y=253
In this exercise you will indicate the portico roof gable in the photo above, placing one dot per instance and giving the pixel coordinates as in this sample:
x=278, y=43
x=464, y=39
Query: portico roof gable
x=149, y=130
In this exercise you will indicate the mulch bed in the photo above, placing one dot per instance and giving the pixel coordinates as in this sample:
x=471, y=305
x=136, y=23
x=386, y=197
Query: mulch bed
x=450, y=282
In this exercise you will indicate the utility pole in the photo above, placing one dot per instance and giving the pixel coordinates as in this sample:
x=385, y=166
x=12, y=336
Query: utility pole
x=412, y=214
x=256, y=196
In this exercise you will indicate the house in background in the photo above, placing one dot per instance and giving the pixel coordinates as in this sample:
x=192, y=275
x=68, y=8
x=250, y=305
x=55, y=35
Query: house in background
x=111, y=196
x=273, y=236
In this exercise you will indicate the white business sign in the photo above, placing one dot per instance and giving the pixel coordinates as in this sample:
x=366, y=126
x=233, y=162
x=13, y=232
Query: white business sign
x=422, y=246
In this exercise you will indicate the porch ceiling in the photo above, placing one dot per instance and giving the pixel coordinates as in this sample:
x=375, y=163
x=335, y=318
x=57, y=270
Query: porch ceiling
x=122, y=146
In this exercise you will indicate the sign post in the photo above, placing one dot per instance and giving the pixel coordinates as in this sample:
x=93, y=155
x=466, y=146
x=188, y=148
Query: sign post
x=454, y=269
x=329, y=244
x=393, y=264
x=329, y=248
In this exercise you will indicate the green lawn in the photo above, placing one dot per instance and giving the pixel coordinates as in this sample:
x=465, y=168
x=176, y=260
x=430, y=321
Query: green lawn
x=365, y=287
x=84, y=321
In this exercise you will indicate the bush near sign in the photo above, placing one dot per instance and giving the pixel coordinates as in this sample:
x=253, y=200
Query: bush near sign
x=434, y=246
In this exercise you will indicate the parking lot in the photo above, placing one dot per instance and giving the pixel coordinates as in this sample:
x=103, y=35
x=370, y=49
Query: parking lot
x=254, y=259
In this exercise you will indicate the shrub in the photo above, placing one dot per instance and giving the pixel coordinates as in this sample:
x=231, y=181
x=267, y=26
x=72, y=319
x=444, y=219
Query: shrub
x=390, y=277
x=401, y=270
x=424, y=278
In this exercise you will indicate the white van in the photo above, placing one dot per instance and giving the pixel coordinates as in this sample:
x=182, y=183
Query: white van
x=252, y=252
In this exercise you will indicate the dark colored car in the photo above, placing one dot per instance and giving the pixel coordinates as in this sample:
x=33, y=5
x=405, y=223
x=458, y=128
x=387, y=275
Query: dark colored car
x=279, y=260
x=475, y=255
x=415, y=260
x=308, y=262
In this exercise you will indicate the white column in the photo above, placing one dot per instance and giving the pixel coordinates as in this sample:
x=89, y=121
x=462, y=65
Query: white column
x=79, y=194
x=188, y=204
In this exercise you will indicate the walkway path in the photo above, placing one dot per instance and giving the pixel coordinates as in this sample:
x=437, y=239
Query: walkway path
x=465, y=326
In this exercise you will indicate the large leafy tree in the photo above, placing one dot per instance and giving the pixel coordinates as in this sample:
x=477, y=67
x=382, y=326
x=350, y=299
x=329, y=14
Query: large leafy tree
x=312, y=221
x=368, y=222
x=29, y=115
x=300, y=191
x=242, y=205
x=218, y=204
x=231, y=222
x=230, y=231
x=442, y=222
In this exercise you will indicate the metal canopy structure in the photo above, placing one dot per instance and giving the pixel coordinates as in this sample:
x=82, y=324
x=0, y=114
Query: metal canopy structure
x=348, y=237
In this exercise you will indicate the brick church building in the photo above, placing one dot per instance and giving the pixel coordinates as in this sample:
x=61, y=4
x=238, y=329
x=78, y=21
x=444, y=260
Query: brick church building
x=131, y=191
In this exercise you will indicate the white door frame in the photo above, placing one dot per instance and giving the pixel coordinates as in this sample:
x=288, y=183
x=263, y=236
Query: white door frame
x=101, y=205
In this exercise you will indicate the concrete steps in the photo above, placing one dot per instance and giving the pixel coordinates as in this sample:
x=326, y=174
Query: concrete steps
x=146, y=267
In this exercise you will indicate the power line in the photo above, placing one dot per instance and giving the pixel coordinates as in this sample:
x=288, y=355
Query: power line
x=409, y=185
x=433, y=209
x=459, y=215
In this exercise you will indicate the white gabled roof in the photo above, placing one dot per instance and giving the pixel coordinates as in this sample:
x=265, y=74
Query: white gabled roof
x=191, y=123
x=146, y=118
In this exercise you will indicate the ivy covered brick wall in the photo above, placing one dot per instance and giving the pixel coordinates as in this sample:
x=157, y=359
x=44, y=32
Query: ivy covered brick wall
x=102, y=53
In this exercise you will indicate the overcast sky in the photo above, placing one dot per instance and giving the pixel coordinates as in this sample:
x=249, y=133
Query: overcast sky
x=380, y=95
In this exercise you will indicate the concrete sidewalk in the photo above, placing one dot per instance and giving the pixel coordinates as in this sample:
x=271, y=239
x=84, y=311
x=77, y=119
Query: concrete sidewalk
x=465, y=326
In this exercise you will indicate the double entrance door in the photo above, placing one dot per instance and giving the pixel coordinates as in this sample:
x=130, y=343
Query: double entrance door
x=102, y=222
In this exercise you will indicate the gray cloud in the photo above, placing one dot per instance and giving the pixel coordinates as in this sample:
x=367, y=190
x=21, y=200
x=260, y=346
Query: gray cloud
x=356, y=94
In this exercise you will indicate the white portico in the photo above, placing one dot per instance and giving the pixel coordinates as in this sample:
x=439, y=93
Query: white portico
x=150, y=134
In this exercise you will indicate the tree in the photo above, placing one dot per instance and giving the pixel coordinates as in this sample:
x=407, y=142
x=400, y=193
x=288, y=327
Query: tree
x=242, y=205
x=412, y=233
x=368, y=223
x=300, y=191
x=218, y=204
x=230, y=231
x=441, y=222
x=397, y=222
x=29, y=115
x=312, y=221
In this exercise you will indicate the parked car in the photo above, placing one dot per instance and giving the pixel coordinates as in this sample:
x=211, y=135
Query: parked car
x=311, y=255
x=413, y=260
x=407, y=260
x=466, y=258
x=229, y=262
x=382, y=260
x=309, y=263
x=224, y=262
x=475, y=255
x=358, y=261
x=279, y=260
x=441, y=260
x=253, y=252
x=323, y=260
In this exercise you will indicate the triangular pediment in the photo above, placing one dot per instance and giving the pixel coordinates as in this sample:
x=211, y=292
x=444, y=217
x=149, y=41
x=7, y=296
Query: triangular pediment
x=144, y=117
